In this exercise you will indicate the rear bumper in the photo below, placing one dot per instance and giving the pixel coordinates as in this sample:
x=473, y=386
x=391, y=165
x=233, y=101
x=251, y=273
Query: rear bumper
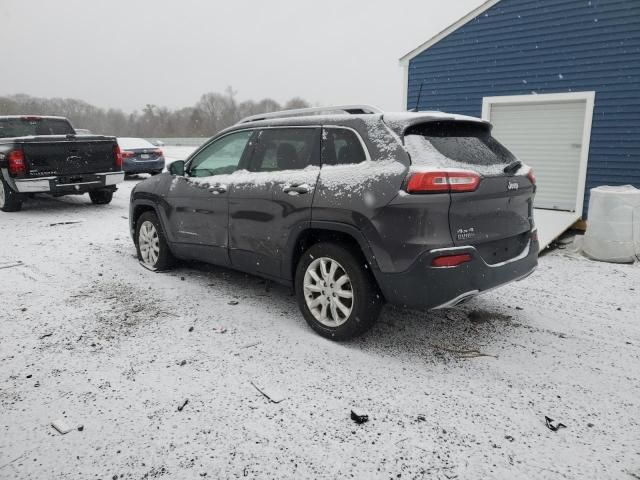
x=143, y=166
x=67, y=185
x=424, y=286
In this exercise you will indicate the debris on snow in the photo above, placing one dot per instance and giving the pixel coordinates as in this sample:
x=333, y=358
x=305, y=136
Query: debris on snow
x=65, y=223
x=233, y=302
x=358, y=416
x=10, y=264
x=61, y=426
x=465, y=353
x=184, y=404
x=191, y=329
x=271, y=394
x=551, y=426
x=45, y=335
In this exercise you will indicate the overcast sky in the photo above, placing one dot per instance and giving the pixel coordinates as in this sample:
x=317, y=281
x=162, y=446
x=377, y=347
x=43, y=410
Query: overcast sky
x=127, y=53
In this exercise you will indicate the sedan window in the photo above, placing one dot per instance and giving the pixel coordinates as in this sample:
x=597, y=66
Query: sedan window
x=220, y=157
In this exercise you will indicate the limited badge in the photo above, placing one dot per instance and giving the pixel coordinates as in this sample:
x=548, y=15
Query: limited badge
x=465, y=233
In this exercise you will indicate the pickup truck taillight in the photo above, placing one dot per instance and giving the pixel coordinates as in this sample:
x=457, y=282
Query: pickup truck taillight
x=118, y=156
x=16, y=163
x=443, y=181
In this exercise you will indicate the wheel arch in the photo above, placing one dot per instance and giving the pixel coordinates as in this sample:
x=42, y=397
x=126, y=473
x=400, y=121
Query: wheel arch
x=326, y=231
x=137, y=210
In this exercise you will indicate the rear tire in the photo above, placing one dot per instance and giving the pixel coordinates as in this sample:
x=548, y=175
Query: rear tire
x=338, y=296
x=151, y=244
x=101, y=197
x=10, y=200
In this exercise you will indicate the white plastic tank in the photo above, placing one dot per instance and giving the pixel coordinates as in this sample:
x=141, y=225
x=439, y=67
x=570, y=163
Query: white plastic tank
x=613, y=226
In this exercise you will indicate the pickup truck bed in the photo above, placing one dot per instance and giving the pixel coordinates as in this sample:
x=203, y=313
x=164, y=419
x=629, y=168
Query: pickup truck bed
x=52, y=159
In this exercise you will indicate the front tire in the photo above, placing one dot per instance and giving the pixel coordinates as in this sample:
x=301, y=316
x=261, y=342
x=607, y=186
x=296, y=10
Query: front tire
x=151, y=244
x=10, y=201
x=101, y=197
x=337, y=295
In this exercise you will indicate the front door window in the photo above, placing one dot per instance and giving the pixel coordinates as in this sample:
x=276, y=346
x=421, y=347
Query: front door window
x=221, y=157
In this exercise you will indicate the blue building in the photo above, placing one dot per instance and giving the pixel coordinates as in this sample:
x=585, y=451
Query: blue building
x=560, y=81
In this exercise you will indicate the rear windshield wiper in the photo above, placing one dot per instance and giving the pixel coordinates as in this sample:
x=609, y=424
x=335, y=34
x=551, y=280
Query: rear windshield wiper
x=513, y=167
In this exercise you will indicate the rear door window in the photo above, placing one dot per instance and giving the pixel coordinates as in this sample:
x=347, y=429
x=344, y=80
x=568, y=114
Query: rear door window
x=456, y=145
x=286, y=149
x=341, y=147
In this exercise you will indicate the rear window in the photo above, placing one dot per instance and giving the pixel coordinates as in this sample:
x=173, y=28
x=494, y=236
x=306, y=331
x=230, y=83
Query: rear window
x=133, y=143
x=23, y=127
x=455, y=145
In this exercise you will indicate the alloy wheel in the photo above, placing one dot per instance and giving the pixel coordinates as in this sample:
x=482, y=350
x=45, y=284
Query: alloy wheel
x=149, y=243
x=328, y=292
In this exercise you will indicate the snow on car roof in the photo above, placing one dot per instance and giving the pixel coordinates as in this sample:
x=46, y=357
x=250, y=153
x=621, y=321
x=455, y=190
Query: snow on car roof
x=129, y=143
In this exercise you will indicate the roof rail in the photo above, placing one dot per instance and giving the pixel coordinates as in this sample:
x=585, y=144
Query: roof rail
x=352, y=109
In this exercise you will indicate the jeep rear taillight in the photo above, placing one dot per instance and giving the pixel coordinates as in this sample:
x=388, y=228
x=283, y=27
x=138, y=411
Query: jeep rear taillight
x=443, y=181
x=118, y=154
x=531, y=177
x=16, y=163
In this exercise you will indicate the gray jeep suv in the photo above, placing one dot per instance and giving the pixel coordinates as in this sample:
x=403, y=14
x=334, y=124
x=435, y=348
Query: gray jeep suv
x=350, y=206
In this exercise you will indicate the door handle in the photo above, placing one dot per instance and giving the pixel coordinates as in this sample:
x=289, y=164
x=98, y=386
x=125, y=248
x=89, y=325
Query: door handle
x=218, y=188
x=296, y=188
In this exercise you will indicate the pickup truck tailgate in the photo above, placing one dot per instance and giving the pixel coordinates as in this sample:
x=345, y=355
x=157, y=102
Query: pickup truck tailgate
x=70, y=155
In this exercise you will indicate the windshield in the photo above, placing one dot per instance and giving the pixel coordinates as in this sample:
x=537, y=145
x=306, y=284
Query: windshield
x=456, y=145
x=27, y=126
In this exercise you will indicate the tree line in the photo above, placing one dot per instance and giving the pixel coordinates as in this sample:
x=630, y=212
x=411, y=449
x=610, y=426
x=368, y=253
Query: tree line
x=212, y=113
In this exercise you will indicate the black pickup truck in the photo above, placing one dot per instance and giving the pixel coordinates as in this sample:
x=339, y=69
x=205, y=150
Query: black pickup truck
x=45, y=155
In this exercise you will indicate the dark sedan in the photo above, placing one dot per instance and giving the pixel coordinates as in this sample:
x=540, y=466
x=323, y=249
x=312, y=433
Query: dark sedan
x=140, y=156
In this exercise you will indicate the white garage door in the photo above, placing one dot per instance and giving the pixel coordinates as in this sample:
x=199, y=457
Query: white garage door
x=548, y=137
x=551, y=133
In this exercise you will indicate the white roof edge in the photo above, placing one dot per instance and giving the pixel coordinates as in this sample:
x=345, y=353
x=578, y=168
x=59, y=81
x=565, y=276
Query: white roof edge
x=447, y=31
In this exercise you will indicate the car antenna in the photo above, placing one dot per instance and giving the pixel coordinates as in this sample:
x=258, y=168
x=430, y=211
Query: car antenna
x=415, y=109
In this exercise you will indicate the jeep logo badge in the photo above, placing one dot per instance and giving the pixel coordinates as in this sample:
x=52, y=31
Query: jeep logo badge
x=513, y=186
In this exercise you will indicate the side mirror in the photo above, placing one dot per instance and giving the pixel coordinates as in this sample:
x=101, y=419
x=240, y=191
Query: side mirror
x=177, y=168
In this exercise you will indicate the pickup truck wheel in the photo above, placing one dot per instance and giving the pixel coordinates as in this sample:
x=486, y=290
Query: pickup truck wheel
x=337, y=295
x=151, y=243
x=10, y=201
x=101, y=197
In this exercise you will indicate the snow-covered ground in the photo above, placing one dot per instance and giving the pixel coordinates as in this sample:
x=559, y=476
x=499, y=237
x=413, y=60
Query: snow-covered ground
x=173, y=153
x=89, y=336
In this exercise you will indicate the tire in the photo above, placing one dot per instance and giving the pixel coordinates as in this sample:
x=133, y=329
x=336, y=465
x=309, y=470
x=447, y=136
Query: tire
x=152, y=248
x=10, y=200
x=101, y=197
x=158, y=172
x=359, y=294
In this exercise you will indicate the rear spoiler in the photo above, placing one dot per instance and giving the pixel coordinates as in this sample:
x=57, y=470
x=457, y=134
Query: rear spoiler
x=400, y=122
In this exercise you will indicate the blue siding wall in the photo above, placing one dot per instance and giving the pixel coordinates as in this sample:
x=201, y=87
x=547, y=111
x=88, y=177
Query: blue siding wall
x=520, y=47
